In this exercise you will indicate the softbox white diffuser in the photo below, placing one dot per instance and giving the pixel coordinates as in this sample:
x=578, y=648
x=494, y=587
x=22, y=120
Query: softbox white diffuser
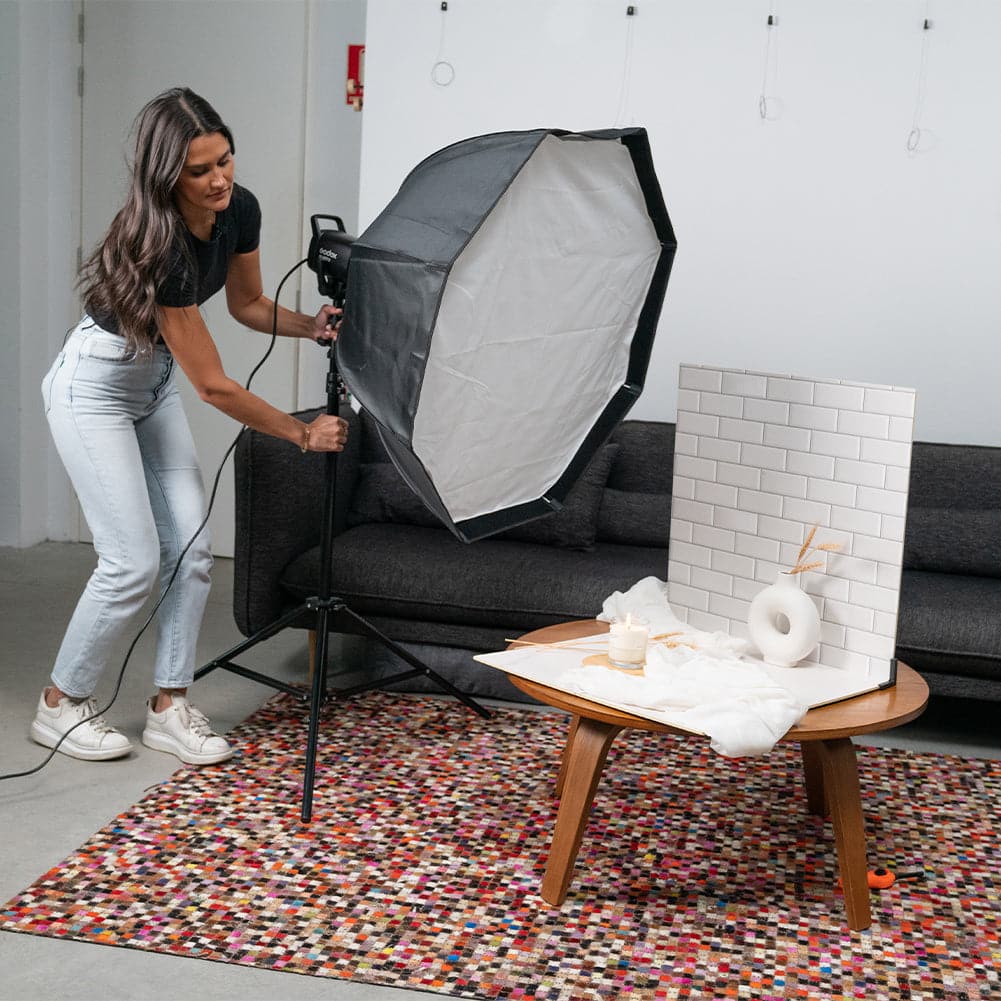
x=499, y=316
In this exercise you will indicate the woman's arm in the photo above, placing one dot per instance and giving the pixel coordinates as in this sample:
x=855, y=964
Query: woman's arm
x=191, y=344
x=247, y=303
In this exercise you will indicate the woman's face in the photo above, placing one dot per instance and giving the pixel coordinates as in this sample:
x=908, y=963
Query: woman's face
x=206, y=181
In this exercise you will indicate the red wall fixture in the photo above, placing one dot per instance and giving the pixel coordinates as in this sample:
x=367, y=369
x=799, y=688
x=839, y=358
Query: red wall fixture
x=355, y=84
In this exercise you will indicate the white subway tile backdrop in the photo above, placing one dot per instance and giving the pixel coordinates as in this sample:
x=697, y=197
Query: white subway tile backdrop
x=761, y=459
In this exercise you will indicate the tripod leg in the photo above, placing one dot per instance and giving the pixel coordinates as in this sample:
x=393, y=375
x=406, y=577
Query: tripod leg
x=259, y=637
x=319, y=691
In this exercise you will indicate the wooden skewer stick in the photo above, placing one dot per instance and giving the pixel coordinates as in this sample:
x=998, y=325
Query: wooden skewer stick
x=662, y=638
x=562, y=645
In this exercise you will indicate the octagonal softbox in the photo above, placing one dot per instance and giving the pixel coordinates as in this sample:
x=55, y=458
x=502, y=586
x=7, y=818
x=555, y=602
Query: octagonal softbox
x=500, y=313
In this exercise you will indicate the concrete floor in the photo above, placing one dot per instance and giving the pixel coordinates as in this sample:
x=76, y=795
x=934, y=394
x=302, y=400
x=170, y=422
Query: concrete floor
x=49, y=814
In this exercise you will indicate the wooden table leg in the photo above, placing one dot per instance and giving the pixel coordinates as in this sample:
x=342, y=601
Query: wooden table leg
x=583, y=762
x=561, y=778
x=813, y=771
x=844, y=798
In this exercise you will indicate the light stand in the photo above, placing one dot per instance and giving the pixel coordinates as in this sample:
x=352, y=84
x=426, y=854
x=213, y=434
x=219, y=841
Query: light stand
x=323, y=606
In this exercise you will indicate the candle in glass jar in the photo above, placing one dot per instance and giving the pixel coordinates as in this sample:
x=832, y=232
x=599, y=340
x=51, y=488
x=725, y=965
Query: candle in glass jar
x=627, y=640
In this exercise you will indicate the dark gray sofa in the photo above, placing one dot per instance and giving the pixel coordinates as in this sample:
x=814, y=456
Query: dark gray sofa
x=443, y=599
x=949, y=623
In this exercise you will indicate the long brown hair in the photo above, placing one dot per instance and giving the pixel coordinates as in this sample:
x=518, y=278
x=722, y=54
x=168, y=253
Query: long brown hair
x=120, y=278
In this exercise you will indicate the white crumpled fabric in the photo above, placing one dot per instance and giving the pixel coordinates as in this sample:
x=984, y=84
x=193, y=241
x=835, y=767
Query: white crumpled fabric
x=711, y=689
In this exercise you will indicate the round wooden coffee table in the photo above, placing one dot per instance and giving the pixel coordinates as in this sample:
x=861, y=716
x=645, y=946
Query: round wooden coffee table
x=824, y=736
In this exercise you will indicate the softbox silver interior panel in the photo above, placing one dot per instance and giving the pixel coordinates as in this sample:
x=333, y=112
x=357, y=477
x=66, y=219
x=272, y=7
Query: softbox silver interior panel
x=499, y=316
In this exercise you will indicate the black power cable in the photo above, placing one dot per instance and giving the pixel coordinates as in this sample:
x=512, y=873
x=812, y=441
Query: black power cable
x=177, y=565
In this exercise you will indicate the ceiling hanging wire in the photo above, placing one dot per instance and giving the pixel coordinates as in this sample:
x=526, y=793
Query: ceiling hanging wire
x=915, y=136
x=442, y=71
x=625, y=84
x=769, y=106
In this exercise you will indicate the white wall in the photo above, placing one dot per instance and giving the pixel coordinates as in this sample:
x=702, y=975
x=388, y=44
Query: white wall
x=813, y=244
x=39, y=201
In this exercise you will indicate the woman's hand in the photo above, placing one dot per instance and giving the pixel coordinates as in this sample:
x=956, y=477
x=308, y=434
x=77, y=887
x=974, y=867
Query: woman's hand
x=326, y=324
x=326, y=434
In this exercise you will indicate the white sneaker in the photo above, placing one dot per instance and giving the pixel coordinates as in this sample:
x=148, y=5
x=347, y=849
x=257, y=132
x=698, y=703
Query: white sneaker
x=92, y=740
x=184, y=731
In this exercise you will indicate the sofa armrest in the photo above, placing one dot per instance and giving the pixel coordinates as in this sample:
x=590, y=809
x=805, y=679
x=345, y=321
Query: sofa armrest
x=279, y=512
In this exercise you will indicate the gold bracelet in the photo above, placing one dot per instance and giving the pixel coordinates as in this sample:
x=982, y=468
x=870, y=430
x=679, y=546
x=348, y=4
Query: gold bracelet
x=305, y=440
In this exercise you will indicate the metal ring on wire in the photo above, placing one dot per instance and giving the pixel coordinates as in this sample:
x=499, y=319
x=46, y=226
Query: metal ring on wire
x=769, y=108
x=442, y=79
x=913, y=140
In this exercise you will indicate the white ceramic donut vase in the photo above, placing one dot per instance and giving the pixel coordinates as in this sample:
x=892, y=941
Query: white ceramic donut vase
x=783, y=622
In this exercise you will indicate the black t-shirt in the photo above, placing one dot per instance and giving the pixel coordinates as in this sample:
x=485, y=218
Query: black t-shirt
x=237, y=230
x=199, y=274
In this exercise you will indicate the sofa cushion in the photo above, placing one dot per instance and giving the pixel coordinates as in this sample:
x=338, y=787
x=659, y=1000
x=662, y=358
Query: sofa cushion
x=381, y=495
x=645, y=463
x=575, y=525
x=636, y=507
x=954, y=541
x=954, y=509
x=410, y=572
x=950, y=622
x=638, y=519
x=960, y=476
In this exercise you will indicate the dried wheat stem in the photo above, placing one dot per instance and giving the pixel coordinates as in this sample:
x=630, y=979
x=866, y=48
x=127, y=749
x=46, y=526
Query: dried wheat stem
x=803, y=567
x=806, y=544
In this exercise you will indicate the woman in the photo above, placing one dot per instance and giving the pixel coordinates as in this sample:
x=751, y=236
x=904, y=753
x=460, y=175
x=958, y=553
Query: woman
x=186, y=230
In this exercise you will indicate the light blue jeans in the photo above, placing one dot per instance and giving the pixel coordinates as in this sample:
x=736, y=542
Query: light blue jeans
x=121, y=432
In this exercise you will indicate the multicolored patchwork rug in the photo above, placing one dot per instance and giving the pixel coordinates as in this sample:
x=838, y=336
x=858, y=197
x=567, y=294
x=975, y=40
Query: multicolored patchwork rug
x=699, y=876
